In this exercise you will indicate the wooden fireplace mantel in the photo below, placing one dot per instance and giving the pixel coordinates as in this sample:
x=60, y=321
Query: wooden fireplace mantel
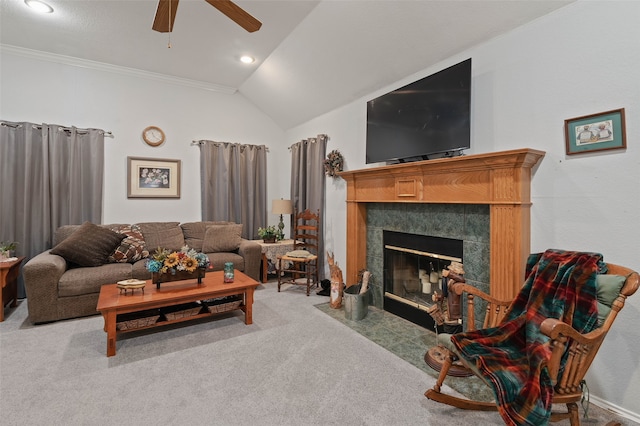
x=499, y=179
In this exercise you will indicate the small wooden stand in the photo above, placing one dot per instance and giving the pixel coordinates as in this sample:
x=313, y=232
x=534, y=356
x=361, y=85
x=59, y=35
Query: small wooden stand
x=9, y=272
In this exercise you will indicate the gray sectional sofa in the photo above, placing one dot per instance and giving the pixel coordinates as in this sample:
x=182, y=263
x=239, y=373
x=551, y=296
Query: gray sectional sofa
x=64, y=282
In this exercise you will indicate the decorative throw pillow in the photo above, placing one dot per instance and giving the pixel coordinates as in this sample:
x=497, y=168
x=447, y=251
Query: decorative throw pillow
x=222, y=238
x=131, y=249
x=608, y=287
x=166, y=235
x=89, y=245
x=194, y=232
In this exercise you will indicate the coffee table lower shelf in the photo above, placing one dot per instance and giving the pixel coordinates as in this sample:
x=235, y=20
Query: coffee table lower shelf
x=151, y=318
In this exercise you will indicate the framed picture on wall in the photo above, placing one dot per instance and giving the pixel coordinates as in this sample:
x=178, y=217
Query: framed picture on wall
x=153, y=178
x=595, y=132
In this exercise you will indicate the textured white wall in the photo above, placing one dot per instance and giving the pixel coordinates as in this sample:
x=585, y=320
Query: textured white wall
x=580, y=60
x=39, y=90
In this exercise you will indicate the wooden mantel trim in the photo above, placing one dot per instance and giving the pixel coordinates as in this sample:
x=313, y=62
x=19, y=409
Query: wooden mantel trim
x=500, y=179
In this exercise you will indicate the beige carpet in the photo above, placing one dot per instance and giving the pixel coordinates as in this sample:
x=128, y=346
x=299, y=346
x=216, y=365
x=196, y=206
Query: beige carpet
x=294, y=366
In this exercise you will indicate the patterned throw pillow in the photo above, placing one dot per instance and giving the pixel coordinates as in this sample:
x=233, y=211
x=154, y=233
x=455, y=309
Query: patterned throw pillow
x=131, y=249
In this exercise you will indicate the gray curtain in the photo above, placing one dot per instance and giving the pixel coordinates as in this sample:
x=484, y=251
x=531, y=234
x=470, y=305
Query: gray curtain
x=233, y=179
x=49, y=176
x=308, y=183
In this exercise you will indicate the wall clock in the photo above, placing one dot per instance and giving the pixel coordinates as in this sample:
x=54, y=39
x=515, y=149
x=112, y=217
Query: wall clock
x=153, y=135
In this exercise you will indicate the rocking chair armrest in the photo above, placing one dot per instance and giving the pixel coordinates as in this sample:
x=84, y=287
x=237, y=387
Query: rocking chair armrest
x=495, y=309
x=458, y=288
x=564, y=336
x=556, y=330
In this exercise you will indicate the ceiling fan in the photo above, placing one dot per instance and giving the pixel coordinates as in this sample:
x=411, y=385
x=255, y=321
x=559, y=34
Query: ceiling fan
x=166, y=15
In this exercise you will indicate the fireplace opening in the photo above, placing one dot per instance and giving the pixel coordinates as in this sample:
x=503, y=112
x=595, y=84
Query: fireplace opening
x=413, y=267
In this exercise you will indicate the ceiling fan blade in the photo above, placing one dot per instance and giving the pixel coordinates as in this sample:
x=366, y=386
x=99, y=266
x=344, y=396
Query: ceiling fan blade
x=236, y=14
x=165, y=12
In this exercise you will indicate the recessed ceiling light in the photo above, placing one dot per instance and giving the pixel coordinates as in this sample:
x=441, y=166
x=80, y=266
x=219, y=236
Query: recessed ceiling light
x=39, y=6
x=246, y=59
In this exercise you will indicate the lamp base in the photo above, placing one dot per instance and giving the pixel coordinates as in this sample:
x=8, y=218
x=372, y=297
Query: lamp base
x=280, y=235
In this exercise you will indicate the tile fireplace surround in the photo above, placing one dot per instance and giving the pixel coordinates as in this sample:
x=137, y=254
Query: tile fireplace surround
x=499, y=180
x=466, y=222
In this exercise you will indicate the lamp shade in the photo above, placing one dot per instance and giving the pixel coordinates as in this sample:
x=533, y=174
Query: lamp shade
x=281, y=207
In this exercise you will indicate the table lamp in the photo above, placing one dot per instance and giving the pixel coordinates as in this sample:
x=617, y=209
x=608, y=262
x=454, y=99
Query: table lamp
x=281, y=207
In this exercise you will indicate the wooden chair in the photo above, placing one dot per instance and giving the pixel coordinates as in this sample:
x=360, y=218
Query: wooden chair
x=580, y=349
x=300, y=266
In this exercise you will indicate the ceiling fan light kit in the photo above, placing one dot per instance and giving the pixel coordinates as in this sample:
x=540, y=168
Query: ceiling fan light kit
x=166, y=15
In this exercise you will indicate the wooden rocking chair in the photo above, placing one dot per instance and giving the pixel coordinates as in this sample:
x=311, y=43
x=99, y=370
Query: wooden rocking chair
x=581, y=349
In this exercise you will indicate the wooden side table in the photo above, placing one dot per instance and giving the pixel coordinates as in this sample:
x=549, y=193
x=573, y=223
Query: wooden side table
x=270, y=253
x=9, y=272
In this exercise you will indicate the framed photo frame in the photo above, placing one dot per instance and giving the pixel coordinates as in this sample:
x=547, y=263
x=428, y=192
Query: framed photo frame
x=153, y=178
x=595, y=132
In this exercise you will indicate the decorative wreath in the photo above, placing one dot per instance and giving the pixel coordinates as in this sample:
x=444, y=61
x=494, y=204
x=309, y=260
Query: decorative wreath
x=333, y=163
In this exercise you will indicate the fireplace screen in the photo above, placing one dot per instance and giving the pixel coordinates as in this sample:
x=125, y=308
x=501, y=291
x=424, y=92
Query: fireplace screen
x=413, y=267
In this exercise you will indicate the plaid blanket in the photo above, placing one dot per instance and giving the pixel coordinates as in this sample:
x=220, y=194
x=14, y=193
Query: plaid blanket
x=512, y=356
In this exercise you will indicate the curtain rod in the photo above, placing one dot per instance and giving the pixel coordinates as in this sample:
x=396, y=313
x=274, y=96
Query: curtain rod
x=66, y=129
x=203, y=141
x=309, y=140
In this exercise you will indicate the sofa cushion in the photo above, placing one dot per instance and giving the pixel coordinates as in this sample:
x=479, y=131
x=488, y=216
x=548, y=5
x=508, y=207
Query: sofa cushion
x=167, y=235
x=63, y=232
x=139, y=270
x=89, y=245
x=131, y=249
x=222, y=238
x=194, y=232
x=80, y=281
x=219, y=259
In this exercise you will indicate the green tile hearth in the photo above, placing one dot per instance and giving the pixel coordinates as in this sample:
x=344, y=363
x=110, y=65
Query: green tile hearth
x=407, y=341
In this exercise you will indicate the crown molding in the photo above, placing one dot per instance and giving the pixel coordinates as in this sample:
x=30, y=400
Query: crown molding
x=101, y=66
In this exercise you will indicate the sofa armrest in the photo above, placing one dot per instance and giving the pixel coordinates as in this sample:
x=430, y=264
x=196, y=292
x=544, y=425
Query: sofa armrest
x=41, y=275
x=251, y=252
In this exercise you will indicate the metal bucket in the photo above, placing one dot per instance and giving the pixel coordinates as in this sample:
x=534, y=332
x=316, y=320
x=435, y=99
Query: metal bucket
x=356, y=305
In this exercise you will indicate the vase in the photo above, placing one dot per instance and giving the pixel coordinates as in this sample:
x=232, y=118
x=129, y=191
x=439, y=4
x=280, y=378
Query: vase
x=158, y=277
x=228, y=272
x=269, y=240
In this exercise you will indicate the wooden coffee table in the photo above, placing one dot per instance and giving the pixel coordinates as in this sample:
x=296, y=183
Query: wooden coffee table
x=112, y=302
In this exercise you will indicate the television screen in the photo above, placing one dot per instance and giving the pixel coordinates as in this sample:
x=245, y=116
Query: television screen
x=427, y=117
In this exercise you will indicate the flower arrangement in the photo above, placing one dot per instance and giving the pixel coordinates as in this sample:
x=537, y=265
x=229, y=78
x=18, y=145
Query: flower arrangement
x=268, y=233
x=6, y=247
x=333, y=163
x=187, y=259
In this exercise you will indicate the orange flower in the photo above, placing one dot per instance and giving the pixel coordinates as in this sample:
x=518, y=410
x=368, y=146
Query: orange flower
x=190, y=264
x=172, y=260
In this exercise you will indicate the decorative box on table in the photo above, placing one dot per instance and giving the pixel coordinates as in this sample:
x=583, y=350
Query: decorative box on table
x=158, y=277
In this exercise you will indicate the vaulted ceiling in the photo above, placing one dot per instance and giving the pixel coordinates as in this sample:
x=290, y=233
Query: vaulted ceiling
x=312, y=56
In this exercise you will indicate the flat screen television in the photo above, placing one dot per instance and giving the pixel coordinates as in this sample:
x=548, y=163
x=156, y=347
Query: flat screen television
x=424, y=118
